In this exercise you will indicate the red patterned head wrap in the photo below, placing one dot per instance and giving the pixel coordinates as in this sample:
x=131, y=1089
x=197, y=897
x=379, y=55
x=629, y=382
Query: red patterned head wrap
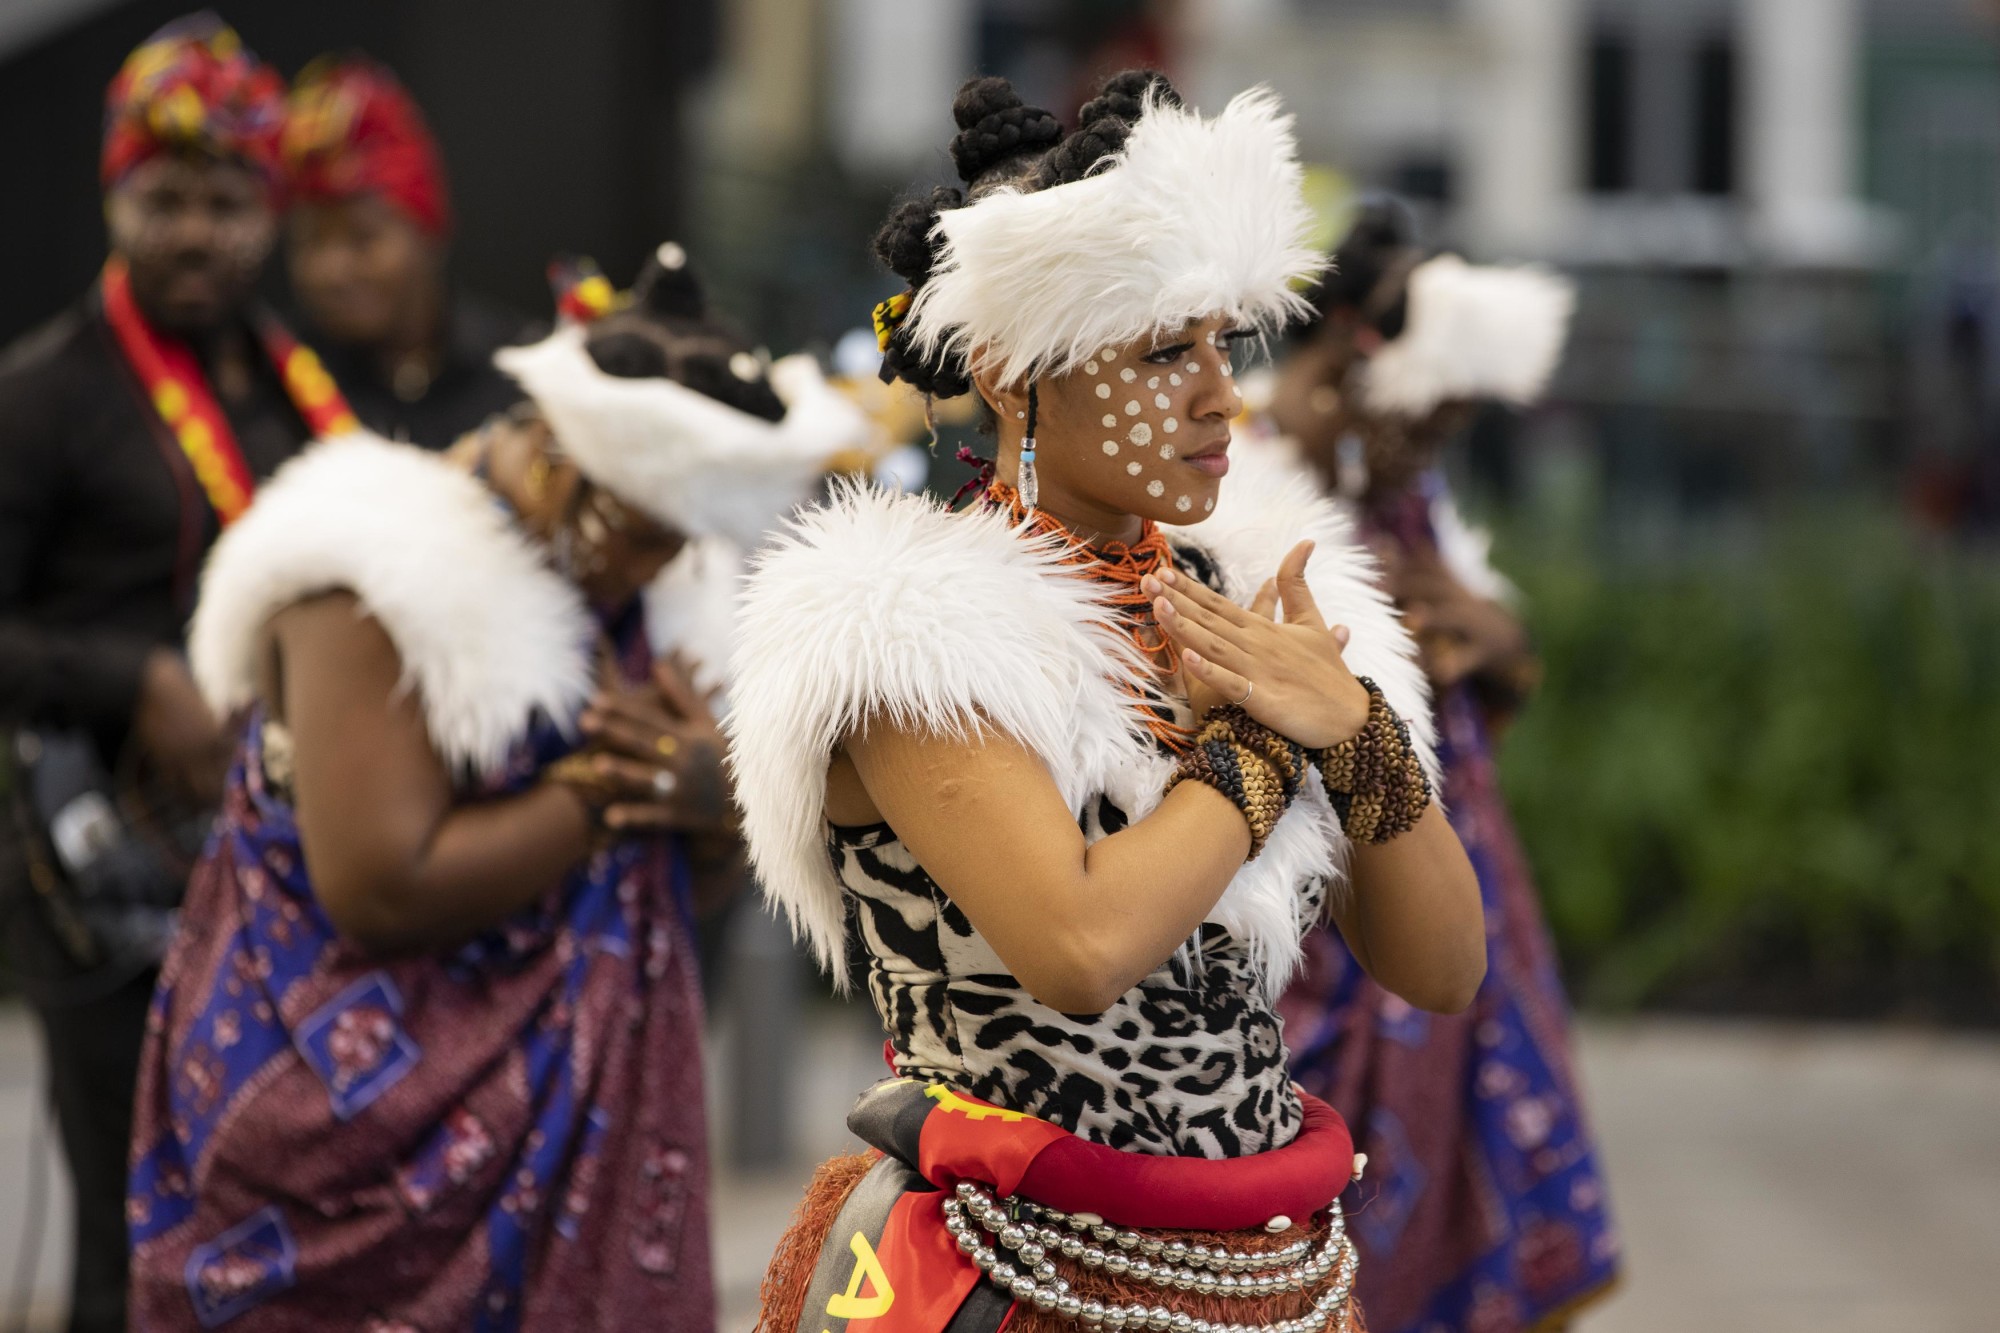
x=352, y=129
x=193, y=85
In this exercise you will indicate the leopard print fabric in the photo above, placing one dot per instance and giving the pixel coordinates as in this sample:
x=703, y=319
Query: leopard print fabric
x=1190, y=1062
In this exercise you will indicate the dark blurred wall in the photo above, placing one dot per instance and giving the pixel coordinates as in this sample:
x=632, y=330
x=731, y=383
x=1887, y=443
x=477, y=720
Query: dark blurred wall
x=562, y=125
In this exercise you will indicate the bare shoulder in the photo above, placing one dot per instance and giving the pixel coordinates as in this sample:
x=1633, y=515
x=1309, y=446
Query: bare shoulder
x=328, y=639
x=915, y=769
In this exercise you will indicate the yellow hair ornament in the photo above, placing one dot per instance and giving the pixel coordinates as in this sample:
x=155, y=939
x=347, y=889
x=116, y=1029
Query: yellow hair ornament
x=887, y=316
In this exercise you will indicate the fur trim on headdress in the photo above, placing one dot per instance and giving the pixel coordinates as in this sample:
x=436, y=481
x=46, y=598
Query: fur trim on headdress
x=1194, y=218
x=687, y=460
x=1474, y=331
x=879, y=585
x=488, y=633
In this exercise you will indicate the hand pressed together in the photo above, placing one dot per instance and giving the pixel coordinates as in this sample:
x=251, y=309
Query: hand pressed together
x=1288, y=674
x=657, y=752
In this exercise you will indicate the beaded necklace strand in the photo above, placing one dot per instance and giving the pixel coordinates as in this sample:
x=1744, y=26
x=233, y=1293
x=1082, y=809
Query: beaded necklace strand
x=1117, y=567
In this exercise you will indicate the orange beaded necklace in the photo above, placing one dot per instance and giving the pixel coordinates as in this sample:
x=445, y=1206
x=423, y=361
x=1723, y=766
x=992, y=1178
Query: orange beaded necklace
x=1118, y=566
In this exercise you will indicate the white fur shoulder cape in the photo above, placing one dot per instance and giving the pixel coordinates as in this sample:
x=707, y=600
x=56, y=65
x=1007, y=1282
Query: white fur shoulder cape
x=884, y=605
x=488, y=633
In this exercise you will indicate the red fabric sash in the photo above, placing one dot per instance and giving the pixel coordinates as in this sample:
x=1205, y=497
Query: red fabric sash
x=178, y=390
x=913, y=1278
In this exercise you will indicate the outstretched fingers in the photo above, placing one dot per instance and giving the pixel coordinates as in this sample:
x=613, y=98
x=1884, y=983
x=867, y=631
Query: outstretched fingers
x=1232, y=687
x=1193, y=630
x=1293, y=590
x=1265, y=603
x=1193, y=593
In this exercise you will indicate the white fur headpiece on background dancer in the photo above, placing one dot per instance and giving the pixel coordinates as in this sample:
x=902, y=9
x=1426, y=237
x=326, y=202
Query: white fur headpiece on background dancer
x=488, y=631
x=1474, y=331
x=1192, y=218
x=685, y=459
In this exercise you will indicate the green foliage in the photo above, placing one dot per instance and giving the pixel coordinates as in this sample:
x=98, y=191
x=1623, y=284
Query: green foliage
x=1773, y=785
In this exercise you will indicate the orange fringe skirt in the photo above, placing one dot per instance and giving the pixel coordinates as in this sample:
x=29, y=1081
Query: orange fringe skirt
x=786, y=1281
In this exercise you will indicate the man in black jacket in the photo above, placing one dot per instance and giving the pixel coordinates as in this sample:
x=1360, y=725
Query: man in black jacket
x=131, y=428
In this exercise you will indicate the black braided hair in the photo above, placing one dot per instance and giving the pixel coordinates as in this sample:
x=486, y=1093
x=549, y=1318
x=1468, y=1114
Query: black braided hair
x=667, y=332
x=1384, y=232
x=1124, y=96
x=1000, y=141
x=996, y=129
x=908, y=244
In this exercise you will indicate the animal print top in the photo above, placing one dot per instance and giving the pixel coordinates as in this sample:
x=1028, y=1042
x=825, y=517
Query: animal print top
x=1189, y=1063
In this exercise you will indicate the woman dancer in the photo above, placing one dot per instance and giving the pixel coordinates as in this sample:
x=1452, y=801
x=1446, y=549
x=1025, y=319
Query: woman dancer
x=1484, y=1205
x=370, y=235
x=1053, y=759
x=426, y=1052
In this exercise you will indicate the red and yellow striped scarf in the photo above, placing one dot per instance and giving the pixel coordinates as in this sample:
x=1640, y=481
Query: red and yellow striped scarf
x=178, y=390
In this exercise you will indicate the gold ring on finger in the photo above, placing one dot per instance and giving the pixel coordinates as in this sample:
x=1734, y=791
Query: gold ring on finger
x=667, y=746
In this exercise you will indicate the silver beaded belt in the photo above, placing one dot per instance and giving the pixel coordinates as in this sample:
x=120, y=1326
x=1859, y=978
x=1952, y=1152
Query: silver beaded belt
x=988, y=1228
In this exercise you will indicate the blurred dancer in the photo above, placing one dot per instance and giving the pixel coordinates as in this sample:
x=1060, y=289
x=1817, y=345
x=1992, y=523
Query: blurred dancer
x=132, y=429
x=1051, y=763
x=369, y=237
x=426, y=1053
x=1482, y=1207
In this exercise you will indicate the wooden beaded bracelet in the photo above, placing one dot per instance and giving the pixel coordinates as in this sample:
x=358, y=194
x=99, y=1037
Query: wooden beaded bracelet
x=1255, y=767
x=1376, y=782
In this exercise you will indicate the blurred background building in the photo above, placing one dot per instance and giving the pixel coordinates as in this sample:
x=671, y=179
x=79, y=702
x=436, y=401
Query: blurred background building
x=1753, y=528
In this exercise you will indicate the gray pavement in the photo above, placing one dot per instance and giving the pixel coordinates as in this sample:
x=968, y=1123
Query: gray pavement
x=1768, y=1178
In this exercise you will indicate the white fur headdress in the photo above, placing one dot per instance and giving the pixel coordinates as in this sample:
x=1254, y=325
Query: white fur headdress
x=1473, y=331
x=684, y=458
x=1193, y=218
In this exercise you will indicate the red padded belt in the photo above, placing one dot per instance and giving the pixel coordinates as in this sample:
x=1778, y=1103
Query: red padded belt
x=967, y=1139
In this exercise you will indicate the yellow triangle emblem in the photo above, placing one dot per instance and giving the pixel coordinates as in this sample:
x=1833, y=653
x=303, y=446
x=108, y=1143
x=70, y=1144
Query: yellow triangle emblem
x=867, y=1269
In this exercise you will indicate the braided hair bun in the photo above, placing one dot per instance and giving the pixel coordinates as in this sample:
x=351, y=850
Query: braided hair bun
x=667, y=332
x=1001, y=141
x=1107, y=120
x=995, y=128
x=1124, y=96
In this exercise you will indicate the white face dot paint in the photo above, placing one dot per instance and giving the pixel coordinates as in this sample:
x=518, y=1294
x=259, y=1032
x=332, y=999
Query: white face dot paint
x=1194, y=367
x=1108, y=354
x=1132, y=468
x=1153, y=383
x=1132, y=408
x=1156, y=488
x=1184, y=504
x=1128, y=374
x=1170, y=425
x=1110, y=419
x=1208, y=505
x=1161, y=400
x=1140, y=433
x=1104, y=391
x=1211, y=340
x=1166, y=453
x=1173, y=379
x=1090, y=367
x=1111, y=446
x=1228, y=369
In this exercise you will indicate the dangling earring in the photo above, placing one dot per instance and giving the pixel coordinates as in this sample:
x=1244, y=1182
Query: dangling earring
x=1027, y=484
x=536, y=483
